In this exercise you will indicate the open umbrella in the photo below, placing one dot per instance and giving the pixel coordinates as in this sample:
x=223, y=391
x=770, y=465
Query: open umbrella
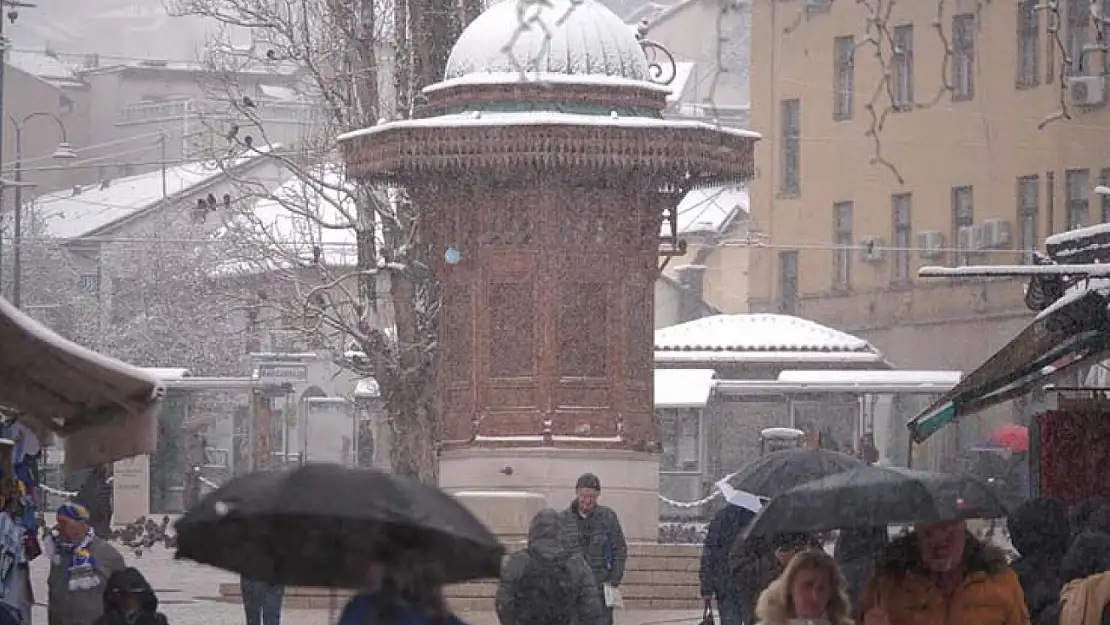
x=322, y=525
x=782, y=470
x=877, y=496
x=1012, y=437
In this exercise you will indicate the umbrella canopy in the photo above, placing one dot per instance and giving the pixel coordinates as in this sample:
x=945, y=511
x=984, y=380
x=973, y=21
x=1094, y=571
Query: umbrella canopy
x=877, y=496
x=106, y=410
x=1012, y=437
x=782, y=470
x=322, y=525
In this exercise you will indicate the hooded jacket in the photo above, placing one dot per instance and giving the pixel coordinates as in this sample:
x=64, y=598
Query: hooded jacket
x=547, y=539
x=1040, y=532
x=725, y=528
x=130, y=581
x=989, y=595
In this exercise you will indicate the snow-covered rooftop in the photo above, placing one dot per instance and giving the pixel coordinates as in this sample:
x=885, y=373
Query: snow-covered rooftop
x=44, y=65
x=742, y=336
x=1079, y=233
x=65, y=215
x=543, y=78
x=577, y=37
x=711, y=209
x=542, y=118
x=683, y=388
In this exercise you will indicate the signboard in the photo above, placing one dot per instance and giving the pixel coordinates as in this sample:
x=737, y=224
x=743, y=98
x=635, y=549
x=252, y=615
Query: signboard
x=281, y=372
x=131, y=490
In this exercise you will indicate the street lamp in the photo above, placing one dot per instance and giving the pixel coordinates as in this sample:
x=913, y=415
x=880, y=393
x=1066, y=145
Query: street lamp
x=63, y=152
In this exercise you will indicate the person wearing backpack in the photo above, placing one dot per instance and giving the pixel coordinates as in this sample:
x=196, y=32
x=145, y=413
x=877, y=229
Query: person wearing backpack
x=548, y=582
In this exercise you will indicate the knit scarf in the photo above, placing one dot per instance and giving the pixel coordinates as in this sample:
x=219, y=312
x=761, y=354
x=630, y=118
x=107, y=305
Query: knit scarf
x=81, y=570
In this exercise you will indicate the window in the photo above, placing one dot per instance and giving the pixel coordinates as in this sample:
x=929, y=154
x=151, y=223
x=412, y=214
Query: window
x=842, y=239
x=844, y=49
x=1029, y=44
x=680, y=429
x=1079, y=199
x=1028, y=197
x=901, y=231
x=1104, y=200
x=1079, y=22
x=902, y=70
x=963, y=57
x=790, y=182
x=963, y=216
x=788, y=282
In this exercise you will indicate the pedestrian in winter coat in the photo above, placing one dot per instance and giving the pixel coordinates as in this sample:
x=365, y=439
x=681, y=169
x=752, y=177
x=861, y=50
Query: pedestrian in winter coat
x=1080, y=514
x=130, y=600
x=756, y=562
x=855, y=554
x=714, y=575
x=80, y=565
x=1085, y=596
x=548, y=582
x=1040, y=532
x=809, y=591
x=597, y=532
x=399, y=595
x=96, y=494
x=940, y=574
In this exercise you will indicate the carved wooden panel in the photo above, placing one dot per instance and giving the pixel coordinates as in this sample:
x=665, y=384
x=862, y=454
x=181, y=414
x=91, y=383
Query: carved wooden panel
x=583, y=220
x=583, y=329
x=639, y=305
x=512, y=335
x=510, y=220
x=458, y=333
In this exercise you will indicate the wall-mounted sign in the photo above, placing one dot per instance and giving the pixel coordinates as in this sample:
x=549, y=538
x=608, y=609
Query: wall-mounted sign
x=281, y=372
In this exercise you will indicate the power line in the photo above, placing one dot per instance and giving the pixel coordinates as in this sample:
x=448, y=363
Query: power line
x=96, y=146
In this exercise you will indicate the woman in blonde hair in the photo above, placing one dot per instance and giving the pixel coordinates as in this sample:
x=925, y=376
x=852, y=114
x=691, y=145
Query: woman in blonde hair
x=810, y=591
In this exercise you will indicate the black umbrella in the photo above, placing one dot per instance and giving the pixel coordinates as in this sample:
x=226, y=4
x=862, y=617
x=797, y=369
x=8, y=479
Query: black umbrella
x=322, y=525
x=782, y=470
x=877, y=496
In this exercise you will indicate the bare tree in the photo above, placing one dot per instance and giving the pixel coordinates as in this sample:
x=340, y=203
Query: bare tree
x=341, y=260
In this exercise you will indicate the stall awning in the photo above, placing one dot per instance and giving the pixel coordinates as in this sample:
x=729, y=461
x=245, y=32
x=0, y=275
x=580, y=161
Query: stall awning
x=106, y=410
x=1069, y=333
x=683, y=388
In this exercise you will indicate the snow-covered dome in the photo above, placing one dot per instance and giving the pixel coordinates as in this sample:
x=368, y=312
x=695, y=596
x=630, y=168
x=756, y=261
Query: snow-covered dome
x=572, y=37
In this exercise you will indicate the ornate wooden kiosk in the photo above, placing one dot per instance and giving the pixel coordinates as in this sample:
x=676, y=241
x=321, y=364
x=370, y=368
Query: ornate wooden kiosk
x=549, y=195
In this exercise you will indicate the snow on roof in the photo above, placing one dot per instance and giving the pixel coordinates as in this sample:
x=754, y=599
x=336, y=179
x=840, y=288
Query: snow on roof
x=1080, y=233
x=367, y=388
x=48, y=67
x=542, y=118
x=683, y=388
x=756, y=333
x=554, y=79
x=579, y=37
x=711, y=209
x=68, y=216
x=1076, y=292
x=163, y=373
x=871, y=377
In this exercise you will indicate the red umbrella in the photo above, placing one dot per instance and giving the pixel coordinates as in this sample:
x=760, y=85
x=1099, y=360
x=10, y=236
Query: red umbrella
x=1012, y=437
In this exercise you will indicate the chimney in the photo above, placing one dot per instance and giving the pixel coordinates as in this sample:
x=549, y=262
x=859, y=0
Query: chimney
x=692, y=280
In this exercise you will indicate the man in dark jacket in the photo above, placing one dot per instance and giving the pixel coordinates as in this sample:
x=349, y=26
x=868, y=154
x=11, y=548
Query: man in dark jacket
x=130, y=600
x=597, y=532
x=714, y=575
x=1040, y=532
x=96, y=493
x=549, y=582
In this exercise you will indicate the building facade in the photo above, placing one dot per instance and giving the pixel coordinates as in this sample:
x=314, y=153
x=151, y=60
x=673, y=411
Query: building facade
x=965, y=144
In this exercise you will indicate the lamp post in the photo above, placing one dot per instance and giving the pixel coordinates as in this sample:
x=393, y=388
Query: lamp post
x=63, y=152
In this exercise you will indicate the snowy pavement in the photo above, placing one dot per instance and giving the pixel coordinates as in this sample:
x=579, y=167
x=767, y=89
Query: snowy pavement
x=188, y=595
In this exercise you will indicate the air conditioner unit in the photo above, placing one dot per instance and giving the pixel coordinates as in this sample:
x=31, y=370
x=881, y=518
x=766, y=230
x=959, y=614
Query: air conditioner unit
x=1086, y=90
x=995, y=234
x=930, y=243
x=967, y=239
x=871, y=250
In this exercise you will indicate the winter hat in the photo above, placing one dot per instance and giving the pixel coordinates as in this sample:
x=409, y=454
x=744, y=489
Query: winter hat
x=588, y=480
x=74, y=510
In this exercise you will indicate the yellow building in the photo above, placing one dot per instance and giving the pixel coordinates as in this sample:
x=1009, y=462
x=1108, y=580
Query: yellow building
x=957, y=169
